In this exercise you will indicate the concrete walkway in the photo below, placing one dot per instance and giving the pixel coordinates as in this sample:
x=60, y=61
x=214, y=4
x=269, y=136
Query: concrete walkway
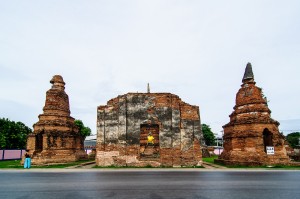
x=212, y=166
x=85, y=165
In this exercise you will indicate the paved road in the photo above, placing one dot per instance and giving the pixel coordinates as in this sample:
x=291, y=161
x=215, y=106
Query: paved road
x=131, y=184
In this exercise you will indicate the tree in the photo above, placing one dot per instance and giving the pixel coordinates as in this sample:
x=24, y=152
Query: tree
x=83, y=130
x=13, y=135
x=208, y=135
x=294, y=139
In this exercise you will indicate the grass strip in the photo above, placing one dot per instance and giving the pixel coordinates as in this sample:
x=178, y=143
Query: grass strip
x=16, y=164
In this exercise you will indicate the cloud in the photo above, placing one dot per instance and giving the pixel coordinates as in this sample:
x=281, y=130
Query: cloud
x=197, y=50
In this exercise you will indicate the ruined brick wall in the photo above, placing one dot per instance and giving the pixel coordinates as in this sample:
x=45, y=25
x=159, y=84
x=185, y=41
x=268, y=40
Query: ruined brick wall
x=55, y=138
x=119, y=128
x=244, y=141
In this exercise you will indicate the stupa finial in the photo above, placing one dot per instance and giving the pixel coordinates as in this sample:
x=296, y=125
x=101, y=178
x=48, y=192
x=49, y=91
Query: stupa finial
x=248, y=75
x=58, y=82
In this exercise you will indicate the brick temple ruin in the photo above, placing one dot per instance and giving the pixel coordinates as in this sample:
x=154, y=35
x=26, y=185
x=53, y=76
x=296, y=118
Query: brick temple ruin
x=252, y=137
x=55, y=138
x=124, y=124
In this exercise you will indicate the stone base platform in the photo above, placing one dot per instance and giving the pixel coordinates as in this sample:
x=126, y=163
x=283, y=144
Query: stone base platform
x=58, y=157
x=251, y=163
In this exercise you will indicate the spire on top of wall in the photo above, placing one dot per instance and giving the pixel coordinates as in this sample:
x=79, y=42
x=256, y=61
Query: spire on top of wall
x=148, y=88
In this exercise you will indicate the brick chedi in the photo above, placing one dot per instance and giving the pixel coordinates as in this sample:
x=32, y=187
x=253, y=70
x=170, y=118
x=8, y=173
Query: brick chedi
x=125, y=122
x=56, y=138
x=251, y=129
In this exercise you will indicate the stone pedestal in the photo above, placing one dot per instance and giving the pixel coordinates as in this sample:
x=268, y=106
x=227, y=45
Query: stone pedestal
x=55, y=138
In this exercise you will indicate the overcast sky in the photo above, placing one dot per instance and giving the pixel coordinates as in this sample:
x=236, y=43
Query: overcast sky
x=195, y=49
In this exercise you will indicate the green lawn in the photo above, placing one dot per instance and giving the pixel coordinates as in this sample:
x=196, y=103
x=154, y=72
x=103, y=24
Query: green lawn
x=210, y=159
x=17, y=164
x=10, y=164
x=266, y=167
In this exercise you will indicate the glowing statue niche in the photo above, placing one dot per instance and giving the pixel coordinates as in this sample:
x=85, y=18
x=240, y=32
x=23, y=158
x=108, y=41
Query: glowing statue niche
x=150, y=139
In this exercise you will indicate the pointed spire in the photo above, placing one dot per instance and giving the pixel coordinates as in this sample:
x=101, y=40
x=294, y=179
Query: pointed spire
x=148, y=88
x=248, y=75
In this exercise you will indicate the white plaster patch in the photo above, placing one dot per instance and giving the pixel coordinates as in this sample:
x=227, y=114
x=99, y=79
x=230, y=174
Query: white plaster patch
x=199, y=163
x=131, y=159
x=109, y=153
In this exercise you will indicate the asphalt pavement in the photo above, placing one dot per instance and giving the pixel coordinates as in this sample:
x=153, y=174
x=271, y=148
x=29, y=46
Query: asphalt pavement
x=149, y=183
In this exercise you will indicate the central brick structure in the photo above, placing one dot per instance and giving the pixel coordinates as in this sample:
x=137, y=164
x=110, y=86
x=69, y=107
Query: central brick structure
x=251, y=129
x=124, y=124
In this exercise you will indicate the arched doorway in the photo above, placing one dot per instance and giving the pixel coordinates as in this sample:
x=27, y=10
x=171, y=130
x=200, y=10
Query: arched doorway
x=39, y=142
x=149, y=149
x=268, y=138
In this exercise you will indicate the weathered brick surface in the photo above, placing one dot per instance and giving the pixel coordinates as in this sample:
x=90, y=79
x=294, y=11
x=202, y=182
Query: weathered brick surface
x=124, y=123
x=244, y=141
x=55, y=138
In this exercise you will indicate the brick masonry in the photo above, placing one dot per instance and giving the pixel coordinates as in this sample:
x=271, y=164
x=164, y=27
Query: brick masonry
x=123, y=125
x=55, y=138
x=251, y=129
